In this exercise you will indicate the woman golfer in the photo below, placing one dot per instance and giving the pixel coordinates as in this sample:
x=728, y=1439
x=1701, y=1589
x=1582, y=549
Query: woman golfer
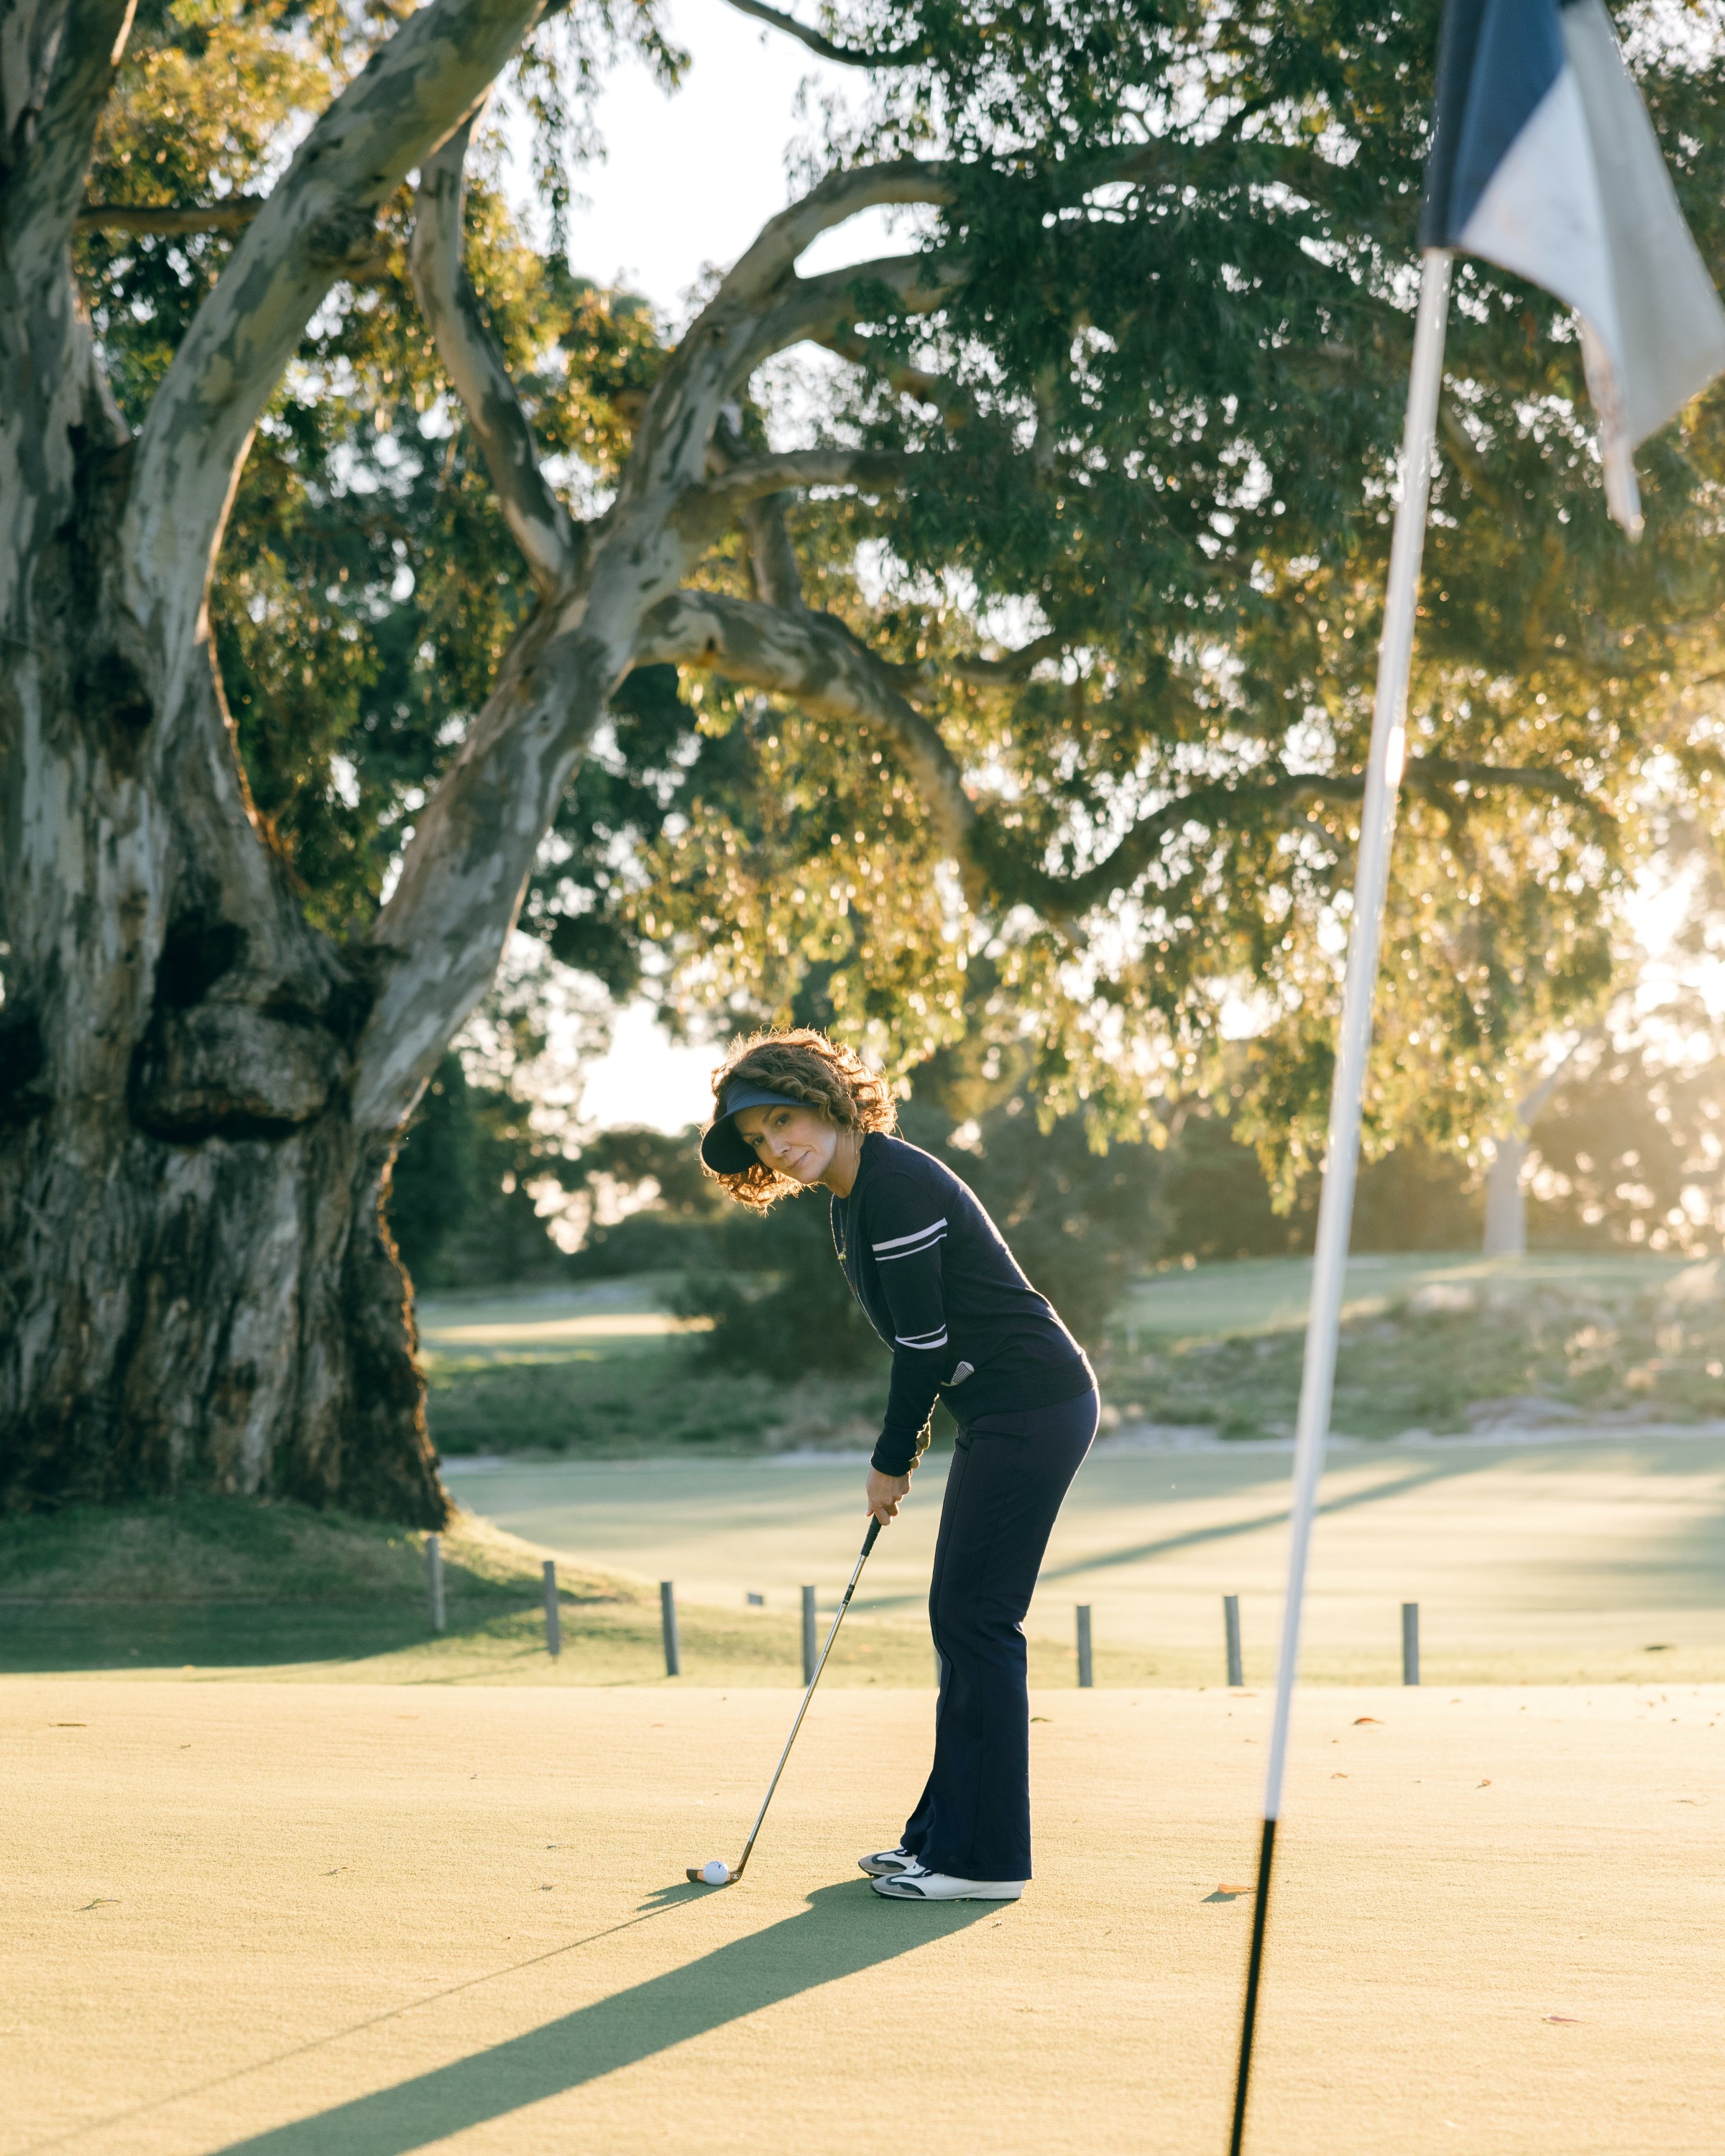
x=942, y=1289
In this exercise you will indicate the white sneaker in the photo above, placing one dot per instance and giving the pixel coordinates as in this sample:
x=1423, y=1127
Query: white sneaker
x=885, y=1863
x=914, y=1884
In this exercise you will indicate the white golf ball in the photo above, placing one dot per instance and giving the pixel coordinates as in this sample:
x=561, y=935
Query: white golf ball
x=716, y=1874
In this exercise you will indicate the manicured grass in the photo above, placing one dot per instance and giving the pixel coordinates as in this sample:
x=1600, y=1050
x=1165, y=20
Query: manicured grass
x=1426, y=1339
x=1426, y=1343
x=221, y=1586
x=636, y=1400
x=1269, y=1294
x=574, y=1373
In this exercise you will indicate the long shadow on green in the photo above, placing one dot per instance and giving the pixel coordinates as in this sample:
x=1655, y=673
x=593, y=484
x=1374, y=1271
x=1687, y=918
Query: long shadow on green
x=1226, y=1529
x=843, y=1930
x=51, y=1638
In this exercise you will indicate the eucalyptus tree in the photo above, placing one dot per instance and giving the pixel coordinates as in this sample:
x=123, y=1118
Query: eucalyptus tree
x=1137, y=375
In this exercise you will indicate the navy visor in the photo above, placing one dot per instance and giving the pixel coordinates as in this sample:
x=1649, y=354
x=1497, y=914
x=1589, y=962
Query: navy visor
x=723, y=1146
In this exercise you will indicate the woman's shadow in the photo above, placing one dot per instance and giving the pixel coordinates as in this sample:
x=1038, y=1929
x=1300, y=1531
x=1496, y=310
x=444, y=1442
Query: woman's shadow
x=843, y=1929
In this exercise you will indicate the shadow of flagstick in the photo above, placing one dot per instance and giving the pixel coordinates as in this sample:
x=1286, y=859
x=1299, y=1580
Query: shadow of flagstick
x=1227, y=1530
x=843, y=1930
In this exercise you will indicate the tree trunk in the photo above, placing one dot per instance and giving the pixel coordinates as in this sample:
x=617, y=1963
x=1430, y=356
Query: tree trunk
x=197, y=1288
x=1506, y=1189
x=1506, y=1201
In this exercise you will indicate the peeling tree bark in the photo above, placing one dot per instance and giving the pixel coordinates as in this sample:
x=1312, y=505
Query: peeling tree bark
x=196, y=1288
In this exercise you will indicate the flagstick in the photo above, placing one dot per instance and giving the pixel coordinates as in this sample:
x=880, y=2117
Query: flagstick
x=1377, y=824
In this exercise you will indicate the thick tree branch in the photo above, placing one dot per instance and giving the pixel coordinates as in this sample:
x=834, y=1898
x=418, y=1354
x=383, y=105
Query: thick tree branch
x=167, y=220
x=1263, y=796
x=317, y=224
x=57, y=66
x=842, y=55
x=29, y=43
x=1016, y=666
x=1432, y=775
x=839, y=196
x=470, y=356
x=436, y=944
x=723, y=498
x=772, y=561
x=815, y=659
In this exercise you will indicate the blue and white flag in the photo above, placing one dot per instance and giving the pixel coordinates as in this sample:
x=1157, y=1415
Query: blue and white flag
x=1545, y=162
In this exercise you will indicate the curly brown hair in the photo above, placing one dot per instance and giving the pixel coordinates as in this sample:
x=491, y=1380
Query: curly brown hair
x=803, y=1065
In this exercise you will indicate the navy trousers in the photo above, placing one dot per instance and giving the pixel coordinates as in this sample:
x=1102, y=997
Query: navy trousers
x=1008, y=1476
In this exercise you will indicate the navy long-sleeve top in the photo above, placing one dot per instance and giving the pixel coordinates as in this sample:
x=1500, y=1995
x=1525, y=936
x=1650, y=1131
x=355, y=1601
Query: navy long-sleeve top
x=943, y=1291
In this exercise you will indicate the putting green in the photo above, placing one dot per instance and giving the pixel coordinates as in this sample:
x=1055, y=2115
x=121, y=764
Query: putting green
x=333, y=1921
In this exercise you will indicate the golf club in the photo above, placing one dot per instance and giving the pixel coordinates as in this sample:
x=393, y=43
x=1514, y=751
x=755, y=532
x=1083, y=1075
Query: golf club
x=718, y=1873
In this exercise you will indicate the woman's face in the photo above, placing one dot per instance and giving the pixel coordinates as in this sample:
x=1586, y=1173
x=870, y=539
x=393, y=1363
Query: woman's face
x=799, y=1142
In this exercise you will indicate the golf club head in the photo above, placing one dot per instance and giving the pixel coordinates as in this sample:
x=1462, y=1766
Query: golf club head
x=696, y=1877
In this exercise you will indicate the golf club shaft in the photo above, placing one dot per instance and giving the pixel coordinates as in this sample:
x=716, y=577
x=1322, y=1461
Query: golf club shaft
x=869, y=1542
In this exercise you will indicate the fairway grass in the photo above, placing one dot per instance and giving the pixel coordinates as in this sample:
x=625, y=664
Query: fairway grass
x=257, y=1920
x=1585, y=1560
x=1429, y=1342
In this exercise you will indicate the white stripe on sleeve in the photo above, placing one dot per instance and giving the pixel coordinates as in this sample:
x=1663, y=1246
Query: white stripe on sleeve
x=897, y=1242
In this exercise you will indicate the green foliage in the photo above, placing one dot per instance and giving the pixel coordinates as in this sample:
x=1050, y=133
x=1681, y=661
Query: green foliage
x=1630, y=1153
x=782, y=1306
x=460, y=1205
x=1594, y=1350
x=1162, y=430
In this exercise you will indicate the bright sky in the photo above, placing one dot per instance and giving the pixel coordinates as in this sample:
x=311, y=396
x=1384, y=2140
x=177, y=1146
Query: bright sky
x=647, y=1078
x=689, y=179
